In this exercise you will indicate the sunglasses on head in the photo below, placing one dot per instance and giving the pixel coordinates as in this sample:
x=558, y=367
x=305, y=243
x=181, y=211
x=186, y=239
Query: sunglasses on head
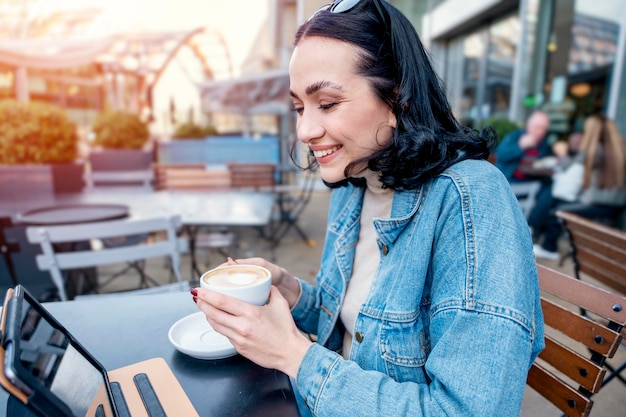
x=337, y=6
x=342, y=6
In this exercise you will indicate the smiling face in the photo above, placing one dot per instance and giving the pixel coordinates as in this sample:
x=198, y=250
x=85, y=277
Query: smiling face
x=340, y=117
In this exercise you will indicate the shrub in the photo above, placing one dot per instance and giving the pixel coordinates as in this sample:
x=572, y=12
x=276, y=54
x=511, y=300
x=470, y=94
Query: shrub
x=193, y=131
x=120, y=130
x=501, y=125
x=36, y=133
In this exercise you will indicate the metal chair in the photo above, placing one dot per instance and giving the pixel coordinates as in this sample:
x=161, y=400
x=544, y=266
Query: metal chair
x=198, y=177
x=56, y=260
x=291, y=202
x=571, y=369
x=526, y=193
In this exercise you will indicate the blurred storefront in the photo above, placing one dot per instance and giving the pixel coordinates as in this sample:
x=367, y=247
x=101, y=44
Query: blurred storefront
x=504, y=58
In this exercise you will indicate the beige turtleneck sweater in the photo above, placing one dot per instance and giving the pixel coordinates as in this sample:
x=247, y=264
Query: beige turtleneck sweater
x=376, y=204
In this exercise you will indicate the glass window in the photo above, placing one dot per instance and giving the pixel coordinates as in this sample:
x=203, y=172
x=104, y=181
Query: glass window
x=479, y=72
x=473, y=51
x=502, y=49
x=595, y=30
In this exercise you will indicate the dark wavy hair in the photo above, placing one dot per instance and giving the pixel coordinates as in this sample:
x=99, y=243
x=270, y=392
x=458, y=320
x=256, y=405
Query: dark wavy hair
x=427, y=138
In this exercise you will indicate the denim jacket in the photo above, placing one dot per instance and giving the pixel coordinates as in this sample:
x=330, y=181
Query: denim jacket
x=453, y=320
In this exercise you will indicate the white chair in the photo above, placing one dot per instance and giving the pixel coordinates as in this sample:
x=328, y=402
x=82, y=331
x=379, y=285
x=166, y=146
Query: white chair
x=55, y=260
x=526, y=193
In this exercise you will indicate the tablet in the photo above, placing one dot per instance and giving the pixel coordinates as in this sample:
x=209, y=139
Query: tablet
x=44, y=361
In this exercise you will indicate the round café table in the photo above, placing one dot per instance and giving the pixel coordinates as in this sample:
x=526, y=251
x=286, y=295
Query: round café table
x=72, y=214
x=84, y=280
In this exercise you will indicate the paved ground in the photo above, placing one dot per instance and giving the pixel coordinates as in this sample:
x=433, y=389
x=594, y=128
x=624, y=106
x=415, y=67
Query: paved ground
x=303, y=260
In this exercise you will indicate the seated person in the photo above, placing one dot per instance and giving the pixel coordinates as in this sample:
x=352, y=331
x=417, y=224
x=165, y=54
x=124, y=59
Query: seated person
x=593, y=185
x=521, y=148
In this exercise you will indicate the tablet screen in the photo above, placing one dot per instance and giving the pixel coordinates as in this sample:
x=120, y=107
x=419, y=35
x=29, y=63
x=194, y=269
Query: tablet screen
x=52, y=359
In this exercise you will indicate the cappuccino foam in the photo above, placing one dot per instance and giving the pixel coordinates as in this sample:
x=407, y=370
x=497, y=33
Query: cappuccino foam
x=234, y=279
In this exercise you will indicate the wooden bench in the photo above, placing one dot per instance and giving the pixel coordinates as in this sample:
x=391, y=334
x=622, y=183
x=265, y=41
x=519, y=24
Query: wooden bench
x=571, y=367
x=189, y=177
x=252, y=175
x=597, y=250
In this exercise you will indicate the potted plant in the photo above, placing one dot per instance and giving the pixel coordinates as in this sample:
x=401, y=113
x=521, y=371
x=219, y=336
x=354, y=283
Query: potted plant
x=502, y=126
x=191, y=130
x=120, y=142
x=37, y=134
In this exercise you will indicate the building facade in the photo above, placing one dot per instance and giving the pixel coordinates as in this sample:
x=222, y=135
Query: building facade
x=505, y=58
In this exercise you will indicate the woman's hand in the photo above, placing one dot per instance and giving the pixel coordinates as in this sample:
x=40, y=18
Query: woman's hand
x=283, y=280
x=267, y=335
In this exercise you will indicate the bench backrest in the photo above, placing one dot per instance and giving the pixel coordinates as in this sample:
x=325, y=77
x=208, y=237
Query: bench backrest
x=257, y=176
x=189, y=177
x=597, y=250
x=570, y=369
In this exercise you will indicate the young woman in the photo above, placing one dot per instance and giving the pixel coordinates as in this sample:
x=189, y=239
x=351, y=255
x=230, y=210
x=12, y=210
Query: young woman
x=427, y=300
x=598, y=179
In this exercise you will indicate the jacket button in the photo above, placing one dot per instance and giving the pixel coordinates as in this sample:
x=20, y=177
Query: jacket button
x=385, y=250
x=359, y=337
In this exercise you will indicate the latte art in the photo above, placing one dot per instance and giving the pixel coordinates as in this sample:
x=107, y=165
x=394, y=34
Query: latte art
x=232, y=279
x=249, y=283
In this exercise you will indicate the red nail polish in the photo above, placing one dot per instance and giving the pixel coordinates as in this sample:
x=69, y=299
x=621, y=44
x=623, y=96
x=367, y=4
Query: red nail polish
x=195, y=300
x=194, y=292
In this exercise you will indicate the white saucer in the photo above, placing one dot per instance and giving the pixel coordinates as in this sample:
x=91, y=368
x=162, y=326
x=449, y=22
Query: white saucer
x=194, y=336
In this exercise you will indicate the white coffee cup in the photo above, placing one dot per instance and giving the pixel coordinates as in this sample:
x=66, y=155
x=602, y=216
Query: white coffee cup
x=249, y=283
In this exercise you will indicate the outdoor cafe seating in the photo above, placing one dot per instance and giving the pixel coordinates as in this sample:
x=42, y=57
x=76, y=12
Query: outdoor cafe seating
x=599, y=253
x=584, y=326
x=157, y=216
x=164, y=243
x=190, y=177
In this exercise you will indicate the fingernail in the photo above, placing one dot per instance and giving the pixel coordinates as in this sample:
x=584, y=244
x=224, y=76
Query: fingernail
x=194, y=292
x=195, y=300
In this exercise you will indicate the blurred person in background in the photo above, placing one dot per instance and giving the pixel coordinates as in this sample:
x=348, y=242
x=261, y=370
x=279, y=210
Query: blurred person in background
x=518, y=154
x=563, y=186
x=427, y=258
x=520, y=149
x=592, y=185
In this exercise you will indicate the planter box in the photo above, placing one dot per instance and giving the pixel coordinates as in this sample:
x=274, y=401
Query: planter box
x=68, y=178
x=25, y=183
x=128, y=167
x=120, y=160
x=40, y=182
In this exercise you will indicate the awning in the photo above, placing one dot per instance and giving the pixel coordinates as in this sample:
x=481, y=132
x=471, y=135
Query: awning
x=52, y=54
x=263, y=93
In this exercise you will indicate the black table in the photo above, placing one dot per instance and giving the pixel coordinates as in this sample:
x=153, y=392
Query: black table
x=120, y=331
